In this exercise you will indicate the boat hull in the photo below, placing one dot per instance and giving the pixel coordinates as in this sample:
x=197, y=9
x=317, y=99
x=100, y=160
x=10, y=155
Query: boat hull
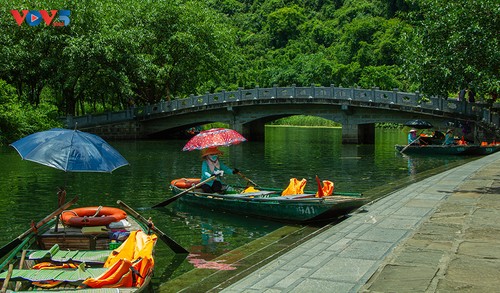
x=275, y=207
x=483, y=150
x=468, y=150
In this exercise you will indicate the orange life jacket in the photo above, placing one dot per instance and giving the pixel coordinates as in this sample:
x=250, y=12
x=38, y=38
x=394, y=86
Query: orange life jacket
x=295, y=187
x=462, y=141
x=326, y=190
x=51, y=266
x=118, y=275
x=47, y=283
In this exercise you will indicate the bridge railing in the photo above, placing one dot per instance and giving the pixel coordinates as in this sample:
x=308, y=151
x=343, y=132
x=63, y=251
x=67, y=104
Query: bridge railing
x=356, y=96
x=99, y=119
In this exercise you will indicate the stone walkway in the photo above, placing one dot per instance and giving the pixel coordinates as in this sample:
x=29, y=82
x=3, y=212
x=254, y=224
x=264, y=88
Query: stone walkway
x=441, y=234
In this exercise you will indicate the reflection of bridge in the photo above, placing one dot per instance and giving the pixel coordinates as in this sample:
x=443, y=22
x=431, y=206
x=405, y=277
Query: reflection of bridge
x=247, y=110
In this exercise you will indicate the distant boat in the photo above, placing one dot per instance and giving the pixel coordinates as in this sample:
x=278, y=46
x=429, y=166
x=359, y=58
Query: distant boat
x=470, y=150
x=483, y=150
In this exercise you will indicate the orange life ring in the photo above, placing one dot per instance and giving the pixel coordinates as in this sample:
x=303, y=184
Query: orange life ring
x=185, y=182
x=92, y=216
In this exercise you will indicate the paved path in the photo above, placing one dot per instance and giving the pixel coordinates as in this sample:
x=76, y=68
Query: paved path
x=441, y=234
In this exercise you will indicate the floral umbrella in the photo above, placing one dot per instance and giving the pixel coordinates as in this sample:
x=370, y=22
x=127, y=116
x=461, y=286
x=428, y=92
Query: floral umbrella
x=214, y=137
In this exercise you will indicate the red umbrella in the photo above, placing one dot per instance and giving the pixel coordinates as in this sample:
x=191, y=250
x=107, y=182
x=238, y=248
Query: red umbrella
x=214, y=137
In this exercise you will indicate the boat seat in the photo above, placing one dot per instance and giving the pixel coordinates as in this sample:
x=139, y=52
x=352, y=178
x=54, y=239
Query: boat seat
x=68, y=275
x=295, y=196
x=88, y=256
x=262, y=193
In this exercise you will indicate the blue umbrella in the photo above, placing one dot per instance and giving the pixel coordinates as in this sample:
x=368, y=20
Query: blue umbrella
x=70, y=151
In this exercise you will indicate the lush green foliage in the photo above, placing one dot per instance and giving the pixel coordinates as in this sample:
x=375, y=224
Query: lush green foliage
x=18, y=119
x=115, y=54
x=456, y=46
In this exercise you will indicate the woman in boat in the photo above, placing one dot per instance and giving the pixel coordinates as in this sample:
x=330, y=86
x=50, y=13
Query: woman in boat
x=413, y=138
x=449, y=138
x=213, y=166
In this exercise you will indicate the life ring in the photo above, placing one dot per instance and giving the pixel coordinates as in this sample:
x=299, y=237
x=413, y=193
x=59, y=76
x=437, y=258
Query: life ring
x=185, y=182
x=92, y=216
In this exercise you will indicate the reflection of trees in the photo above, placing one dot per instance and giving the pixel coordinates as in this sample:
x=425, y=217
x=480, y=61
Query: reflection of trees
x=298, y=149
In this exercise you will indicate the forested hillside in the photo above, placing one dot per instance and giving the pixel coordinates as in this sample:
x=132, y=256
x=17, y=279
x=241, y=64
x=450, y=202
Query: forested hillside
x=110, y=54
x=344, y=43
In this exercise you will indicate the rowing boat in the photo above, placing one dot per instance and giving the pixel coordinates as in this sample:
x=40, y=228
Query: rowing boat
x=268, y=203
x=85, y=257
x=470, y=150
x=483, y=150
x=434, y=149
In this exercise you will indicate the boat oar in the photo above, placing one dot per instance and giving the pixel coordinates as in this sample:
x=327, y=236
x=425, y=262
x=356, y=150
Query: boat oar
x=247, y=179
x=401, y=151
x=175, y=197
x=169, y=241
x=11, y=245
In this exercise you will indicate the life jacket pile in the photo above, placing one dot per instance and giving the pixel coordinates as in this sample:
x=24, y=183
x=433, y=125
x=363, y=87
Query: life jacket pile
x=129, y=264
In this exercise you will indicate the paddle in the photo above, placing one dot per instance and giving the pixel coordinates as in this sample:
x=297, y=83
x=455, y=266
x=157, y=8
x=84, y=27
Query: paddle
x=11, y=245
x=401, y=151
x=247, y=179
x=169, y=241
x=175, y=197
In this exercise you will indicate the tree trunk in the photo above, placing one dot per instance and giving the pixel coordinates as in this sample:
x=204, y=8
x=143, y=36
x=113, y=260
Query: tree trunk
x=69, y=98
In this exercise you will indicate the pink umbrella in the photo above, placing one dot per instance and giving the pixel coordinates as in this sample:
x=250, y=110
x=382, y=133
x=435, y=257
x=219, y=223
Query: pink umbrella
x=214, y=137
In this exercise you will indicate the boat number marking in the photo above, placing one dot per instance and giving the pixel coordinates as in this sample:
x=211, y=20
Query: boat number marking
x=306, y=210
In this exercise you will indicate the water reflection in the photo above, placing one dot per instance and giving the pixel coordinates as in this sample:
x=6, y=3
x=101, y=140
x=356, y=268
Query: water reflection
x=412, y=165
x=218, y=232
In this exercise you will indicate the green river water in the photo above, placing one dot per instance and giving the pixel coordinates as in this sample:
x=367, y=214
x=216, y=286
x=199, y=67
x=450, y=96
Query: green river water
x=28, y=190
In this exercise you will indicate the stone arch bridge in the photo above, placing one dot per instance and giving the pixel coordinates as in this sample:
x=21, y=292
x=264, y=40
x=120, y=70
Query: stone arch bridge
x=248, y=110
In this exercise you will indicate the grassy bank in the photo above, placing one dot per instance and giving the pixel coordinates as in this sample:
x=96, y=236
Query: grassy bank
x=306, y=121
x=302, y=120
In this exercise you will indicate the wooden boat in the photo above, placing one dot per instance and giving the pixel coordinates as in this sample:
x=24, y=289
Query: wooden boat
x=470, y=150
x=483, y=150
x=83, y=258
x=268, y=203
x=434, y=149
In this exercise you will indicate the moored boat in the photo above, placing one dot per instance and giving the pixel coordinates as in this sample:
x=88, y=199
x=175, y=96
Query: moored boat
x=435, y=149
x=268, y=203
x=58, y=257
x=471, y=150
x=483, y=150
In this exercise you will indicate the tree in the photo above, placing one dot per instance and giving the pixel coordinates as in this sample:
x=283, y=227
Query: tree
x=20, y=119
x=27, y=53
x=283, y=24
x=190, y=44
x=455, y=45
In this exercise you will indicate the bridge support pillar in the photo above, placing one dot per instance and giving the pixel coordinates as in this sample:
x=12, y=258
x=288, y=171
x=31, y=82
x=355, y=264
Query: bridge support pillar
x=254, y=131
x=358, y=133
